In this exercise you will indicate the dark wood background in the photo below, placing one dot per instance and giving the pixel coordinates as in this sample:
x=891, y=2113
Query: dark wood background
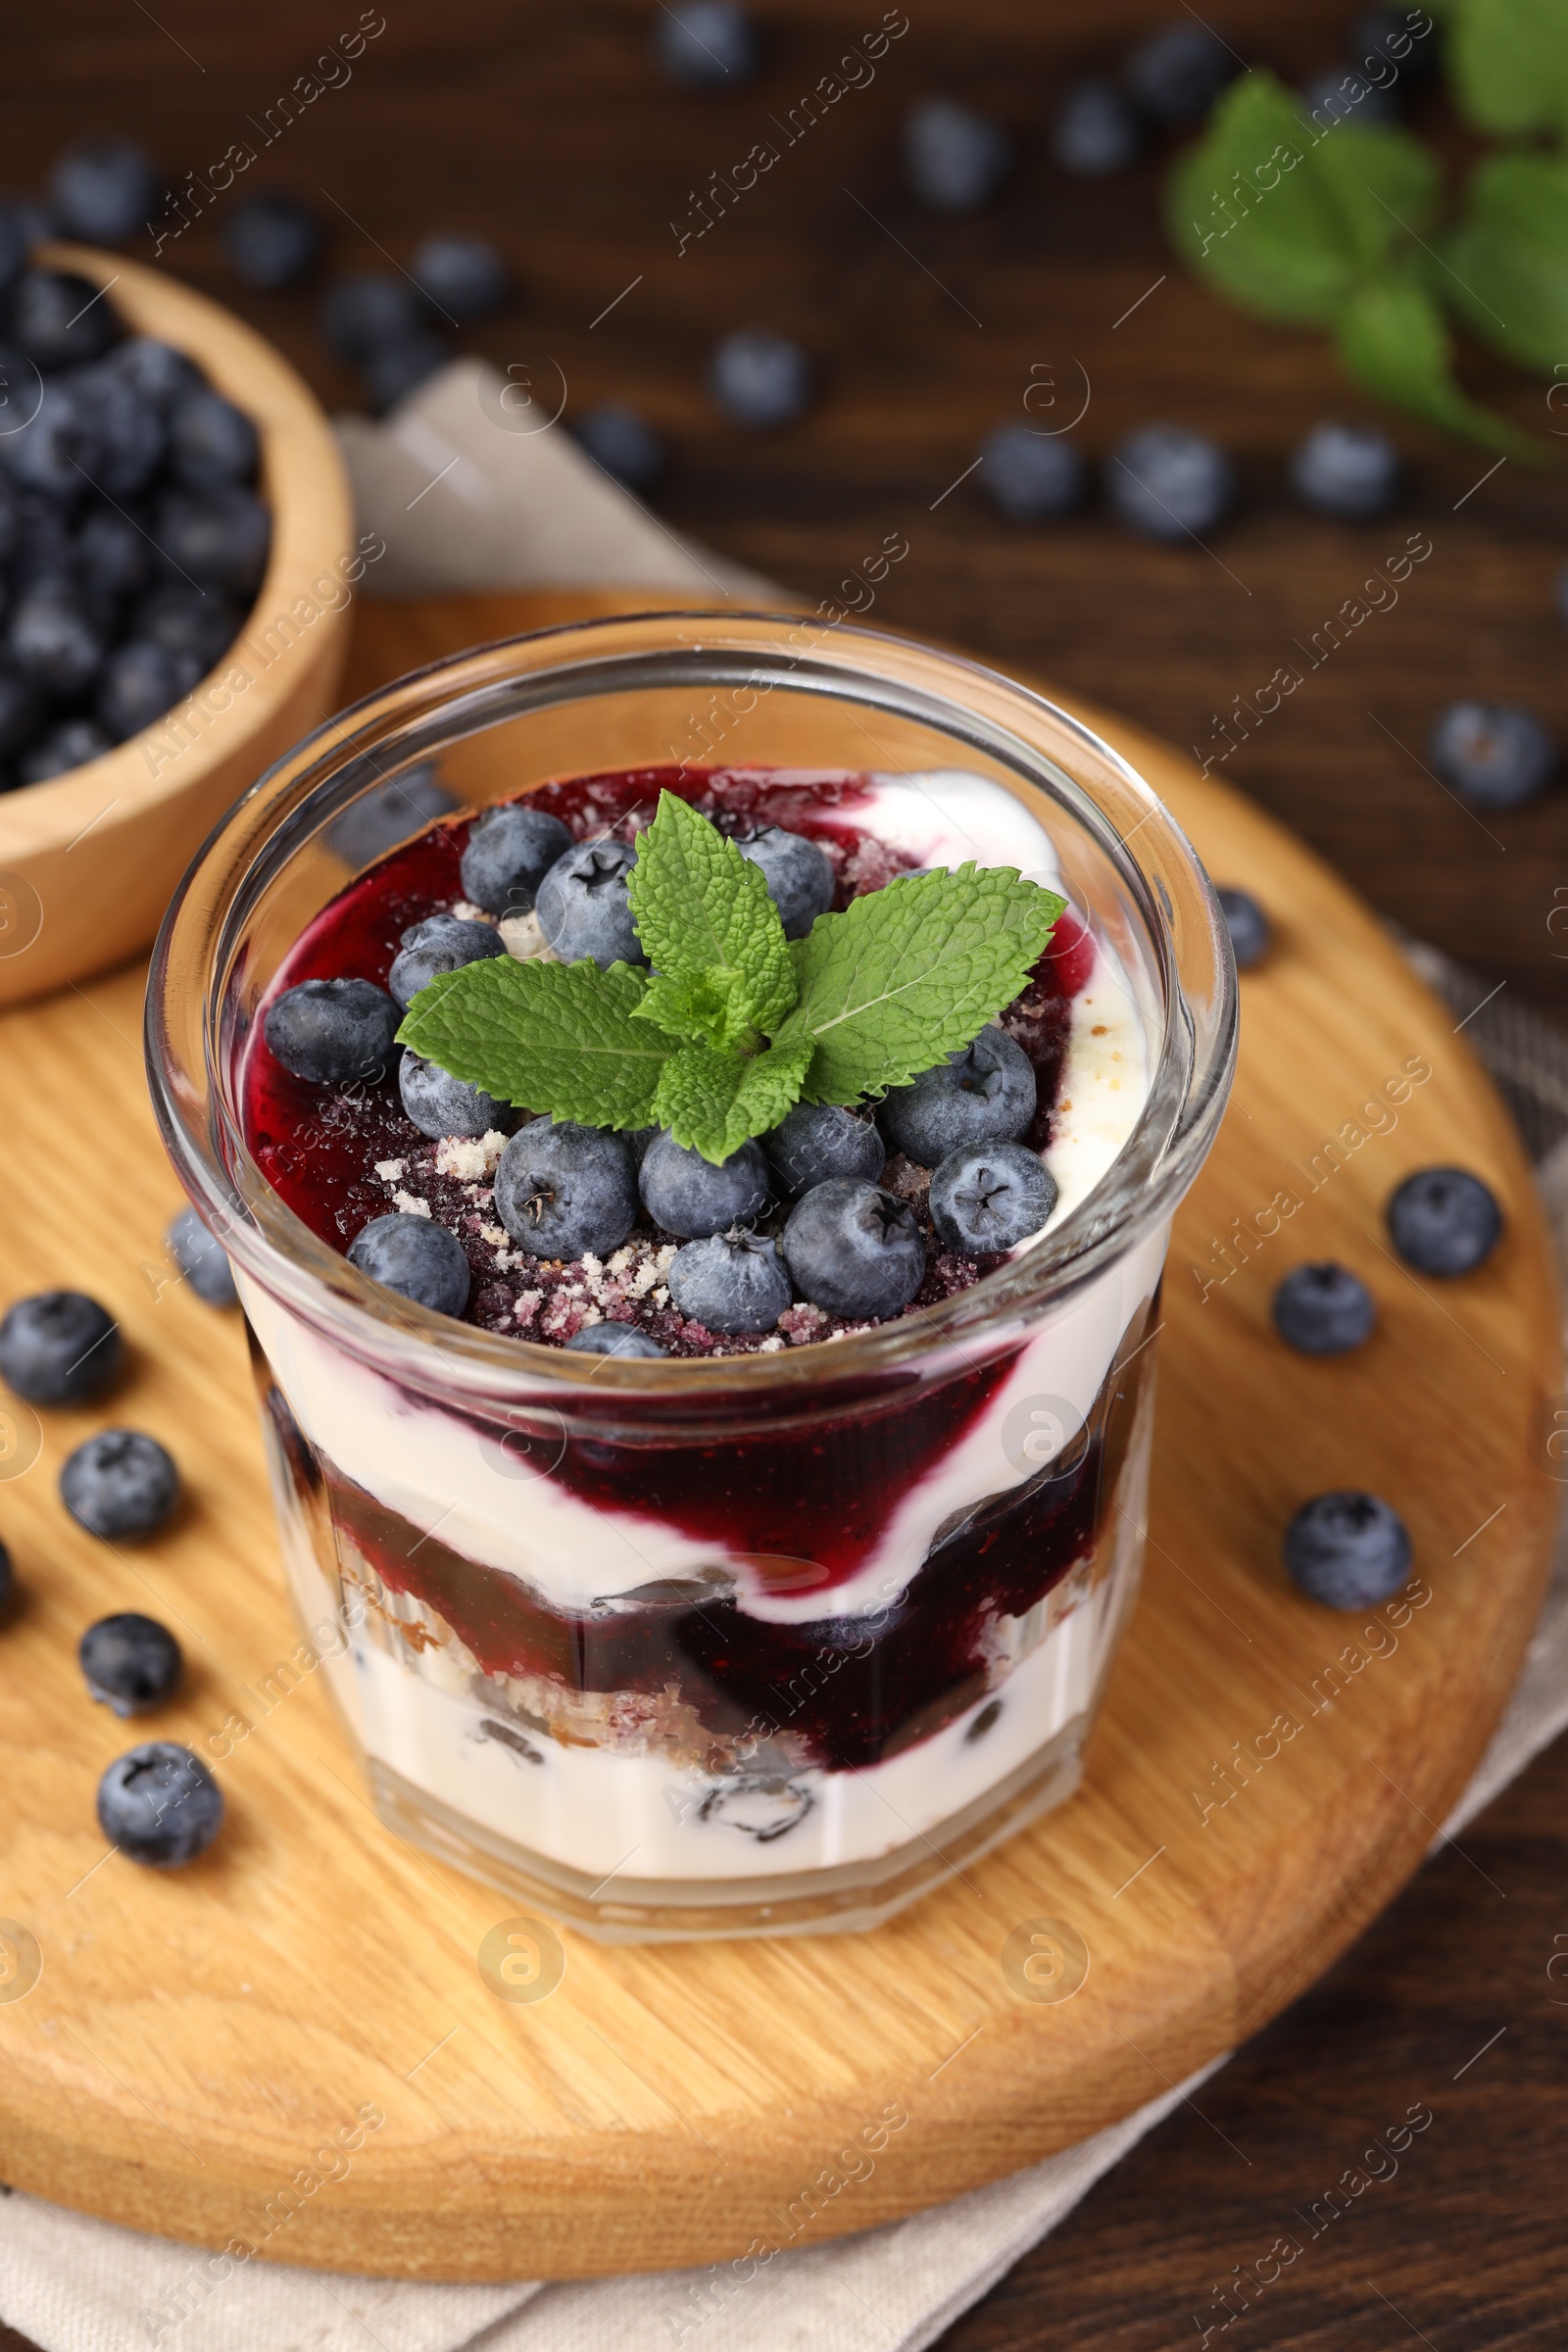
x=549, y=131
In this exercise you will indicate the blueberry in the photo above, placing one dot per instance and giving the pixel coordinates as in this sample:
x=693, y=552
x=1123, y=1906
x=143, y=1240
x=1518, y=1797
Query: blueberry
x=817, y=1141
x=463, y=277
x=141, y=681
x=59, y=1348
x=17, y=240
x=583, y=907
x=1095, y=133
x=1248, y=925
x=954, y=158
x=759, y=378
x=442, y=943
x=1392, y=33
x=120, y=1484
x=730, y=1282
x=272, y=239
x=159, y=1804
x=1347, y=1549
x=415, y=1257
x=331, y=1032
x=991, y=1195
x=103, y=191
x=1175, y=75
x=128, y=436
x=56, y=450
x=19, y=711
x=187, y=620
x=131, y=1662
x=59, y=320
x=1444, y=1221
x=1494, y=753
x=218, y=538
x=1168, y=483
x=159, y=373
x=1349, y=470
x=201, y=1257
x=1030, y=477
x=395, y=369
x=982, y=1093
x=614, y=1339
x=112, y=552
x=562, y=1191
x=510, y=852
x=389, y=812
x=210, y=442
x=855, y=1249
x=1339, y=97
x=52, y=641
x=71, y=745
x=440, y=1105
x=369, y=313
x=687, y=1195
x=798, y=874
x=622, y=440
x=708, y=45
x=1323, y=1310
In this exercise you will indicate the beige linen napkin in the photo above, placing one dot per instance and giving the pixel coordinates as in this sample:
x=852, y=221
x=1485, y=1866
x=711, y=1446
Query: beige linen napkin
x=464, y=502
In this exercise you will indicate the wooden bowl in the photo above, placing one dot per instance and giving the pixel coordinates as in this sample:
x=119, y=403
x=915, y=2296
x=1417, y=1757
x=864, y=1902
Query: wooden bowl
x=88, y=860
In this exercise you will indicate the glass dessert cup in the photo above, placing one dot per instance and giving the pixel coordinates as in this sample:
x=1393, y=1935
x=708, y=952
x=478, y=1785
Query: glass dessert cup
x=734, y=1645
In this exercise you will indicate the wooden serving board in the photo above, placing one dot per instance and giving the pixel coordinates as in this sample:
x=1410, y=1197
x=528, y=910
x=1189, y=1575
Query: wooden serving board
x=195, y=2041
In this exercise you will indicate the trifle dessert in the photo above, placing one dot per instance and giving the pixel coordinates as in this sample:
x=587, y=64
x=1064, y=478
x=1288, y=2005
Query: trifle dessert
x=706, y=1364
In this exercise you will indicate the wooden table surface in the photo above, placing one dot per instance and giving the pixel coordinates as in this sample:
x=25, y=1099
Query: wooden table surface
x=548, y=129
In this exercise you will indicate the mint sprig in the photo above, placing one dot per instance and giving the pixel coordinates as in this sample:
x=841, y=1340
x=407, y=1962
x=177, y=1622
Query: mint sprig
x=737, y=1023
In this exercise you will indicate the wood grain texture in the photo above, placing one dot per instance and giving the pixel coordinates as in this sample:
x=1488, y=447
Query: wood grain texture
x=665, y=2106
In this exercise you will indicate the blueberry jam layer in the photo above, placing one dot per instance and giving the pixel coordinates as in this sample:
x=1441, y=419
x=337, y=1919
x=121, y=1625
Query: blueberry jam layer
x=340, y=1157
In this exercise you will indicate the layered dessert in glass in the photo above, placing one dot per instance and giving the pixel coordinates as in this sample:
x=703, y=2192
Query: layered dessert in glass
x=671, y=1615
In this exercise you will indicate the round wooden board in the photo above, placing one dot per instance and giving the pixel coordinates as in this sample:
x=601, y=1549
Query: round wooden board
x=193, y=2040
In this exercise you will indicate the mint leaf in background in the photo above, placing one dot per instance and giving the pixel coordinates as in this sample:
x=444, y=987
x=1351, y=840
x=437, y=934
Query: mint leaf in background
x=1509, y=256
x=700, y=907
x=1395, y=340
x=550, y=1036
x=1385, y=185
x=1508, y=64
x=712, y=1101
x=713, y=1008
x=911, y=972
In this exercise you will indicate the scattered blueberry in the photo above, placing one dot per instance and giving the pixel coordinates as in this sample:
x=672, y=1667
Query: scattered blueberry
x=1348, y=1550
x=510, y=852
x=1444, y=1221
x=187, y=620
x=440, y=1105
x=70, y=745
x=416, y=1257
x=442, y=943
x=614, y=1339
x=688, y=1196
x=583, y=907
x=59, y=1348
x=1175, y=75
x=120, y=1484
x=60, y=319
x=1249, y=927
x=218, y=538
x=759, y=378
x=708, y=45
x=159, y=1804
x=367, y=313
x=1096, y=131
x=1339, y=97
x=1168, y=483
x=389, y=812
x=139, y=684
x=990, y=1196
x=798, y=874
x=622, y=440
x=210, y=442
x=103, y=191
x=331, y=1032
x=272, y=240
x=1494, y=753
x=855, y=1249
x=1400, y=35
x=1032, y=476
x=159, y=373
x=201, y=1257
x=395, y=369
x=131, y=1662
x=17, y=240
x=1349, y=470
x=562, y=1190
x=817, y=1141
x=1323, y=1310
x=985, y=1093
x=463, y=277
x=954, y=158
x=730, y=1282
x=52, y=641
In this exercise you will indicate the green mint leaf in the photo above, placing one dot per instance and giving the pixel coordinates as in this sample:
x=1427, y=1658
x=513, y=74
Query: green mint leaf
x=554, y=1037
x=714, y=1009
x=1508, y=64
x=700, y=907
x=1394, y=339
x=911, y=972
x=711, y=1102
x=1507, y=258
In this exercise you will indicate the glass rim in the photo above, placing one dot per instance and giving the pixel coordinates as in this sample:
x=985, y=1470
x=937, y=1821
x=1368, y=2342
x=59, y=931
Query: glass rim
x=397, y=725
